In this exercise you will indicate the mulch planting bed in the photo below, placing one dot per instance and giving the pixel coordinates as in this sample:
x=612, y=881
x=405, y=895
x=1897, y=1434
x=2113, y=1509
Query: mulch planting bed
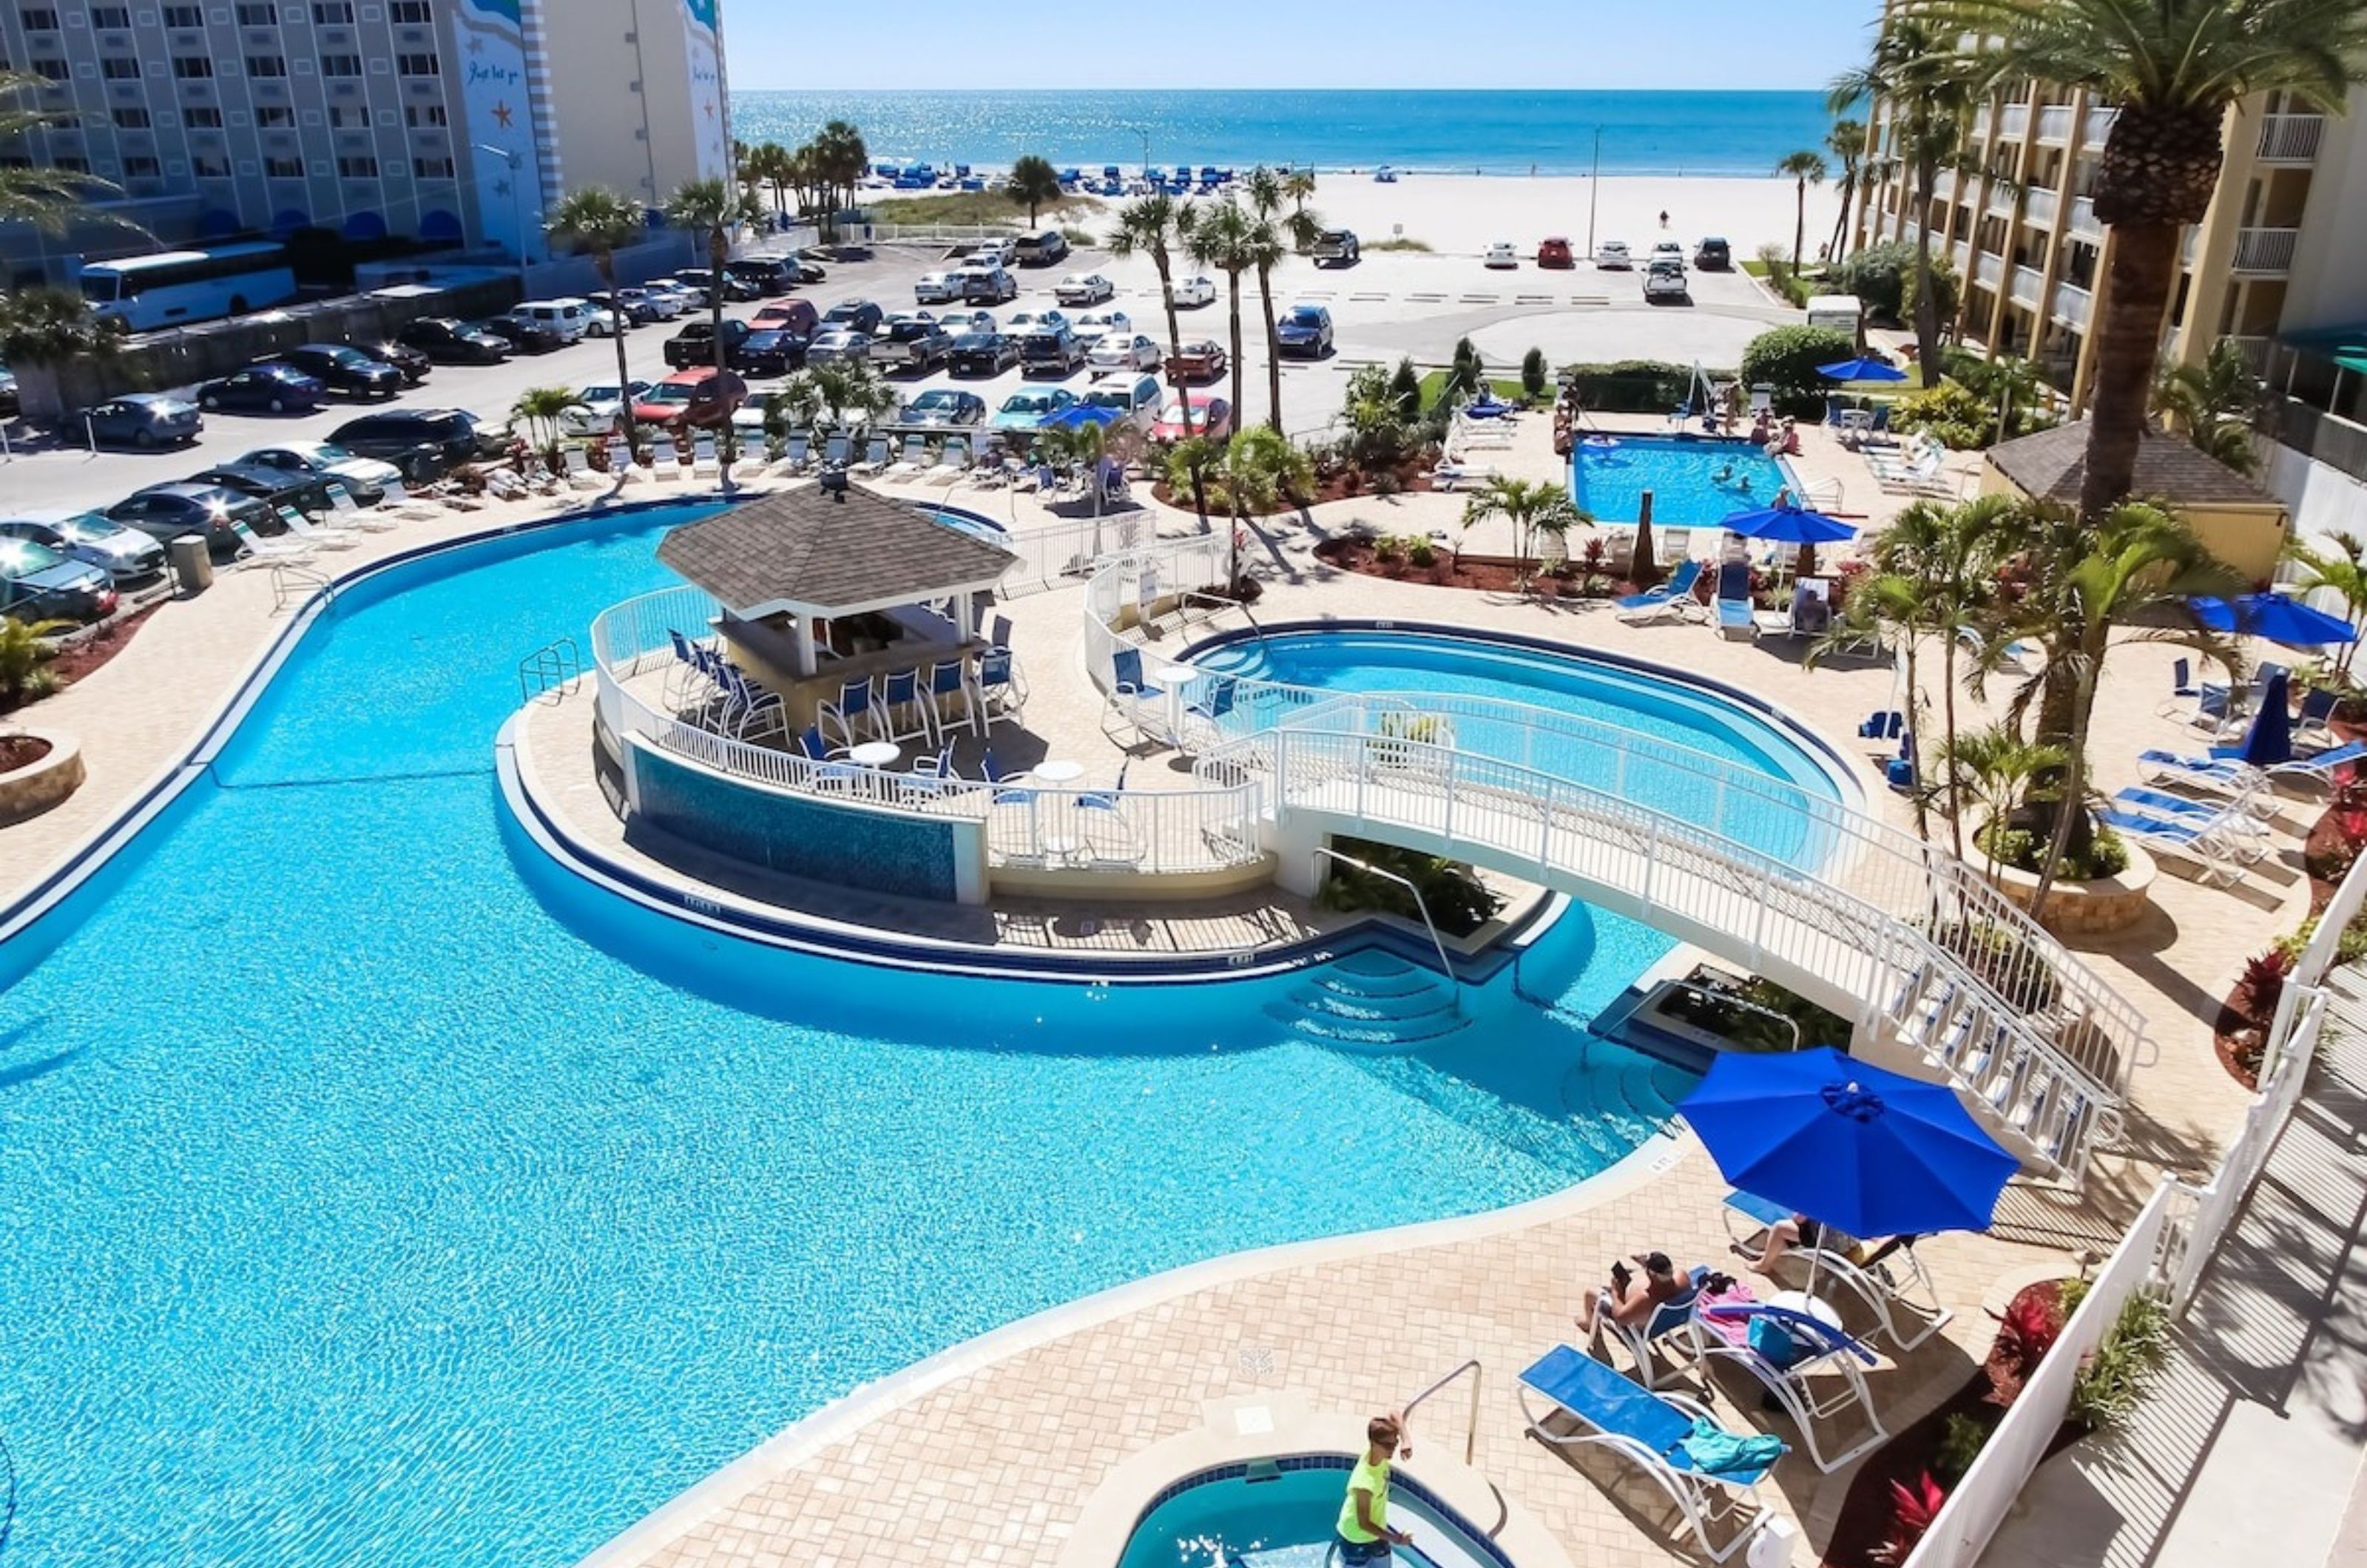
x=1488, y=573
x=78, y=658
x=21, y=751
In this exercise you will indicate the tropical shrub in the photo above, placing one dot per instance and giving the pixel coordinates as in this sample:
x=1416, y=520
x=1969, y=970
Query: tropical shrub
x=1630, y=386
x=24, y=649
x=1946, y=289
x=1533, y=373
x=1962, y=1438
x=1913, y=1509
x=2113, y=1383
x=1878, y=275
x=1961, y=420
x=1459, y=902
x=1786, y=358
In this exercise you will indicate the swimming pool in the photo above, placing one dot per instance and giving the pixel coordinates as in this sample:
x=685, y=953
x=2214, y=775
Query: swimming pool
x=379, y=1191
x=1282, y=1514
x=1696, y=482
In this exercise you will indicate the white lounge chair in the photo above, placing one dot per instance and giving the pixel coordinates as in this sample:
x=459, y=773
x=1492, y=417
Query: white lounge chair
x=797, y=453
x=910, y=459
x=312, y=533
x=875, y=456
x=665, y=463
x=953, y=461
x=579, y=470
x=1781, y=1350
x=350, y=514
x=1897, y=1292
x=260, y=551
x=703, y=461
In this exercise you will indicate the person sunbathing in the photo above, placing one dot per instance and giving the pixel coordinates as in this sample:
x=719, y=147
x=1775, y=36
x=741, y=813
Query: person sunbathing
x=1800, y=1231
x=1630, y=1297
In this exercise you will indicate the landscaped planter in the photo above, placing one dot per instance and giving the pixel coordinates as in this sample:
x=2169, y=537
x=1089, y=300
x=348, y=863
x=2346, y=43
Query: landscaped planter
x=2087, y=908
x=34, y=786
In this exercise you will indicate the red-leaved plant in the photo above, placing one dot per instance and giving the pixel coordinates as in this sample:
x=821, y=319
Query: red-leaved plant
x=1912, y=1510
x=2028, y=1330
x=2264, y=977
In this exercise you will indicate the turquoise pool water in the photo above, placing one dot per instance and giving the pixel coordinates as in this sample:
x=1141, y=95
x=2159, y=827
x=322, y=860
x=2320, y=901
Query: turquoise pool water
x=1694, y=483
x=378, y=1193
x=1287, y=1519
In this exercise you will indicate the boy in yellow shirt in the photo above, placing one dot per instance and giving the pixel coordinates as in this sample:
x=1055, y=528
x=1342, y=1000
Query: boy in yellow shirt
x=1365, y=1533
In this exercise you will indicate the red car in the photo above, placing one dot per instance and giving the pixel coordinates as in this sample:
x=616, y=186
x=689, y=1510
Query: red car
x=1211, y=416
x=702, y=397
x=1201, y=359
x=1554, y=253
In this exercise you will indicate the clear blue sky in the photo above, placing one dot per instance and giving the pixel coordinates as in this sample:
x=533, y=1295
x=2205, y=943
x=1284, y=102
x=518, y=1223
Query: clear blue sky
x=1293, y=43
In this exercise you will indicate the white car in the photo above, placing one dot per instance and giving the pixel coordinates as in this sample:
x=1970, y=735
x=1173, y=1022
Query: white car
x=1669, y=249
x=1124, y=351
x=1611, y=256
x=1083, y=288
x=1095, y=325
x=1502, y=255
x=960, y=322
x=597, y=409
x=672, y=297
x=993, y=252
x=329, y=460
x=1197, y=289
x=1133, y=398
x=1026, y=321
x=937, y=288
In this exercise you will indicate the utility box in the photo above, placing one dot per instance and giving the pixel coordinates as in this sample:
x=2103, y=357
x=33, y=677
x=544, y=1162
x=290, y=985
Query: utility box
x=193, y=563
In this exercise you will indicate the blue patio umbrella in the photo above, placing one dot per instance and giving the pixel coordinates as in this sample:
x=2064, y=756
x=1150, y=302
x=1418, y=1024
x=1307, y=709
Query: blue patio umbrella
x=1862, y=370
x=2279, y=617
x=1790, y=525
x=1849, y=1144
x=2269, y=741
x=1077, y=415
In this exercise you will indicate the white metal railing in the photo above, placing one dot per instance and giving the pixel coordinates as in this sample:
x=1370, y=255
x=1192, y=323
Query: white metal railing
x=1980, y=122
x=2027, y=281
x=2291, y=137
x=1943, y=184
x=2073, y=304
x=2265, y=250
x=2000, y=199
x=2055, y=123
x=2042, y=206
x=1068, y=552
x=2254, y=349
x=2013, y=122
x=2098, y=129
x=1163, y=568
x=2083, y=219
x=1963, y=254
x=1988, y=1490
x=948, y=233
x=1891, y=936
x=1989, y=270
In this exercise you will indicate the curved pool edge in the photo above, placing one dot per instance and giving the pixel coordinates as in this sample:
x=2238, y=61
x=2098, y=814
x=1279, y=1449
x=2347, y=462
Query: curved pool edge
x=843, y=1417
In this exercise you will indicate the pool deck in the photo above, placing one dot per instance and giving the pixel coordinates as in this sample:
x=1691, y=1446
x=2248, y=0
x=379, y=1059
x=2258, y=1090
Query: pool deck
x=989, y=1454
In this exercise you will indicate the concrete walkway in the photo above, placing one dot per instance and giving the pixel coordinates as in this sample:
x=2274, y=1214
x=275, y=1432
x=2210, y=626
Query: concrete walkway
x=2248, y=1449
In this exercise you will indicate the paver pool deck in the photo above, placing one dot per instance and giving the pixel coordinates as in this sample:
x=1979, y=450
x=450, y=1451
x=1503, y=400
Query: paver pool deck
x=987, y=1454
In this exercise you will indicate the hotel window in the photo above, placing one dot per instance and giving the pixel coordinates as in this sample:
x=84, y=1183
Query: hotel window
x=116, y=16
x=358, y=168
x=284, y=168
x=142, y=168
x=432, y=168
x=184, y=15
x=193, y=67
x=332, y=13
x=206, y=166
x=131, y=119
x=418, y=65
x=417, y=115
x=70, y=166
x=202, y=117
x=348, y=116
x=38, y=21
x=266, y=65
x=55, y=70
x=257, y=16
x=409, y=13
x=116, y=70
x=275, y=117
x=341, y=65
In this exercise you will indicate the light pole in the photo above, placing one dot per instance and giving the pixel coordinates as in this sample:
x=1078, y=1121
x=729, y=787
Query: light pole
x=1138, y=131
x=518, y=201
x=1593, y=189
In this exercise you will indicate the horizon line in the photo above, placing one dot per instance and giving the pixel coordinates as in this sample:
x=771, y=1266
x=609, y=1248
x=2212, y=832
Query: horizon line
x=1266, y=87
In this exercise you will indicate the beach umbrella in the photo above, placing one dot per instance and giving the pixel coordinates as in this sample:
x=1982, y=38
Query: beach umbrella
x=2269, y=741
x=1862, y=370
x=2279, y=617
x=1077, y=415
x=1850, y=1145
x=1792, y=525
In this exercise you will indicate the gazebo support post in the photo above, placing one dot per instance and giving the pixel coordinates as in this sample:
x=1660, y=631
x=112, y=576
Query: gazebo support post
x=804, y=635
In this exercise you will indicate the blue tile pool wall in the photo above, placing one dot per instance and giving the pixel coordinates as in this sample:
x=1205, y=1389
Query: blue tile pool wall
x=1474, y=1537
x=813, y=838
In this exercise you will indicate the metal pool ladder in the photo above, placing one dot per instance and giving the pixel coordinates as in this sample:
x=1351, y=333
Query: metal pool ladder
x=1471, y=1432
x=1445, y=966
x=544, y=674
x=290, y=581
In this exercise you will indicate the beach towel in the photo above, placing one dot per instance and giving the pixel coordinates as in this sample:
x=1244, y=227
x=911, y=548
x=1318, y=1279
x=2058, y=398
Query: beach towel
x=1711, y=1449
x=1733, y=1327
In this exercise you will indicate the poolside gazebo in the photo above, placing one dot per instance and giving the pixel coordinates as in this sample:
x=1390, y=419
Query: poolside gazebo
x=2237, y=521
x=831, y=583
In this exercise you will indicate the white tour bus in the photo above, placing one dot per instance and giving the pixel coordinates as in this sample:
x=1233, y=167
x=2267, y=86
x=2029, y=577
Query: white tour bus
x=173, y=288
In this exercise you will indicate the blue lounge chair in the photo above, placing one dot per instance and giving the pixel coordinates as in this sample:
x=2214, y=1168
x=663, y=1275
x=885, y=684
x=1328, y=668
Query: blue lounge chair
x=1675, y=597
x=1735, y=621
x=2315, y=725
x=2193, y=841
x=2322, y=768
x=1667, y=1319
x=1651, y=1430
x=1899, y=1295
x=2182, y=689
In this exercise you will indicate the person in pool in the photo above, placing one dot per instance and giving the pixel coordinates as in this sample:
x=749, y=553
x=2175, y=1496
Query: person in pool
x=1364, y=1531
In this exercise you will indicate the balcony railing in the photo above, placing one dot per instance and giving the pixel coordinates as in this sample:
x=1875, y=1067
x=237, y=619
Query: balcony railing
x=1943, y=184
x=2099, y=127
x=2042, y=207
x=2001, y=201
x=2265, y=250
x=2291, y=137
x=2055, y=123
x=1989, y=271
x=2255, y=351
x=1980, y=122
x=2192, y=244
x=2027, y=280
x=2073, y=305
x=2083, y=219
x=1963, y=257
x=2013, y=122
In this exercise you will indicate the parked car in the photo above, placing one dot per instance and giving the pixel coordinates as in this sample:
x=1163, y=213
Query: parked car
x=145, y=419
x=936, y=289
x=167, y=512
x=1197, y=289
x=796, y=316
x=1199, y=359
x=268, y=388
x=1053, y=353
x=1093, y=326
x=449, y=342
x=665, y=299
x=705, y=286
x=414, y=364
x=1002, y=251
x=38, y=583
x=1714, y=254
x=695, y=344
x=1666, y=280
x=982, y=354
x=1083, y=288
x=1132, y=397
x=11, y=403
x=572, y=319
x=855, y=315
x=1305, y=331
x=809, y=271
x=1502, y=256
x=638, y=308
x=1022, y=322
x=421, y=443
x=943, y=406
x=1124, y=351
x=1669, y=251
x=1611, y=256
x=126, y=555
x=767, y=276
x=692, y=400
x=1554, y=251
x=1028, y=408
x=771, y=352
x=1336, y=247
x=276, y=488
x=342, y=367
x=960, y=322
x=599, y=410
x=838, y=344
x=367, y=478
x=1041, y=249
x=1212, y=416
x=527, y=336
x=913, y=344
x=986, y=285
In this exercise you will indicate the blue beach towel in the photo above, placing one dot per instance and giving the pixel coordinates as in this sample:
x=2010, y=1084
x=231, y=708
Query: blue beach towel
x=1711, y=1449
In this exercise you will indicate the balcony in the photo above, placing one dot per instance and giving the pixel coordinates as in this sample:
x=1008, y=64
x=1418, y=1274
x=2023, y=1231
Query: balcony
x=1943, y=184
x=2027, y=281
x=1989, y=270
x=2042, y=209
x=2083, y=221
x=1981, y=122
x=2073, y=305
x=2054, y=124
x=2265, y=250
x=2001, y=201
x=2013, y=123
x=1962, y=256
x=2099, y=127
x=2291, y=137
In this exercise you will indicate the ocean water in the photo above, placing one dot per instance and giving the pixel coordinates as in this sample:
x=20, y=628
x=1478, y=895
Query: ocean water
x=1486, y=131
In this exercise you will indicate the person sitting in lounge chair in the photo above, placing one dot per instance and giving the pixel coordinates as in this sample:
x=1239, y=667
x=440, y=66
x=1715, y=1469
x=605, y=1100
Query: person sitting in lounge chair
x=1801, y=1230
x=1630, y=1297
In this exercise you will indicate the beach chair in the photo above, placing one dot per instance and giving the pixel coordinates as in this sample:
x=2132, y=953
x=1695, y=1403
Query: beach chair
x=620, y=459
x=910, y=459
x=665, y=463
x=998, y=631
x=2234, y=779
x=1666, y=1324
x=1675, y=597
x=350, y=514
x=2323, y=768
x=1735, y=621
x=2315, y=725
x=1134, y=696
x=953, y=461
x=302, y=527
x=2243, y=834
x=1108, y=833
x=1781, y=1350
x=835, y=450
x=854, y=706
x=703, y=463
x=875, y=456
x=260, y=551
x=2189, y=842
x=1662, y=1435
x=1204, y=717
x=2182, y=689
x=796, y=452
x=578, y=463
x=996, y=690
x=1676, y=545
x=1900, y=1297
x=950, y=705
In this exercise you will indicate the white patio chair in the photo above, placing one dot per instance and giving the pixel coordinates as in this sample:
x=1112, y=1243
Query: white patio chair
x=350, y=514
x=702, y=460
x=312, y=533
x=953, y=461
x=910, y=459
x=875, y=456
x=579, y=470
x=665, y=463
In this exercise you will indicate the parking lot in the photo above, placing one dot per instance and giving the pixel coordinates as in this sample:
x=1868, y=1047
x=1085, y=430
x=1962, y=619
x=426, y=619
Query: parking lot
x=1389, y=304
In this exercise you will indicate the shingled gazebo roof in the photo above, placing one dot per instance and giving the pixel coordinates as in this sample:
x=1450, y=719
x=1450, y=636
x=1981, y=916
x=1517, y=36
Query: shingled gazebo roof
x=812, y=552
x=2052, y=464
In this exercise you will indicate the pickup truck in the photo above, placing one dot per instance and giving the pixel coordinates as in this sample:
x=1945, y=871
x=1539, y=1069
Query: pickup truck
x=1336, y=247
x=919, y=346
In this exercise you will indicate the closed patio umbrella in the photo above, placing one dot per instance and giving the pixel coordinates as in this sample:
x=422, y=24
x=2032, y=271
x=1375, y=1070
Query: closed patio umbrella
x=2269, y=741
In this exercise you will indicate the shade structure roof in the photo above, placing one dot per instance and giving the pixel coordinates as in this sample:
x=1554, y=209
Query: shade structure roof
x=811, y=551
x=2052, y=464
x=2347, y=346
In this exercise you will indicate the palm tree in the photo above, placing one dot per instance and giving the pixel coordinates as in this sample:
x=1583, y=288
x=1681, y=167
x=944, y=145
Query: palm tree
x=2340, y=564
x=602, y=222
x=1531, y=506
x=715, y=207
x=1188, y=467
x=1274, y=235
x=845, y=387
x=840, y=160
x=540, y=408
x=1262, y=468
x=1154, y=226
x=2213, y=402
x=24, y=649
x=1224, y=237
x=41, y=331
x=1298, y=185
x=48, y=199
x=1893, y=602
x=770, y=163
x=2172, y=68
x=1846, y=142
x=1805, y=168
x=1999, y=771
x=1929, y=83
x=1033, y=182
